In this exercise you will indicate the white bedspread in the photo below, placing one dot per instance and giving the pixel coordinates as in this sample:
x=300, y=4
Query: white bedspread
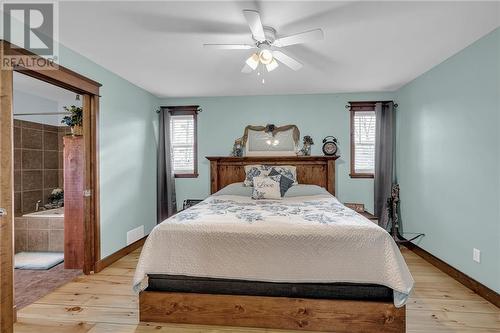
x=299, y=239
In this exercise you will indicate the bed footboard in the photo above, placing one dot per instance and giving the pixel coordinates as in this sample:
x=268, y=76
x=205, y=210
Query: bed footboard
x=271, y=312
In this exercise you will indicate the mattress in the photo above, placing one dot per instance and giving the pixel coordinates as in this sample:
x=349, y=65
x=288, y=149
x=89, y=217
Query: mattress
x=201, y=285
x=304, y=239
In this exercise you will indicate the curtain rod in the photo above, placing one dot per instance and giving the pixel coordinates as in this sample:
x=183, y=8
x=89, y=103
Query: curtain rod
x=198, y=109
x=348, y=105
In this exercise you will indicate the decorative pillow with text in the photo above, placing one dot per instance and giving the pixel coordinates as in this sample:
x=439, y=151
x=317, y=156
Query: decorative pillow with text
x=266, y=187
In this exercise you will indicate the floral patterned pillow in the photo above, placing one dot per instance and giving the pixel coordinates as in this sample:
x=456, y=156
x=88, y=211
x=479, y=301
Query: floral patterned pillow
x=252, y=171
x=287, y=171
x=266, y=187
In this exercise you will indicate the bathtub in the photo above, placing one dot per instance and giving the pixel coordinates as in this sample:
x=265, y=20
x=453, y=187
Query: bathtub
x=56, y=212
x=40, y=231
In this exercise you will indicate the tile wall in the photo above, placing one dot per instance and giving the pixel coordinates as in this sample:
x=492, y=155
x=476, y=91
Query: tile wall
x=38, y=234
x=38, y=163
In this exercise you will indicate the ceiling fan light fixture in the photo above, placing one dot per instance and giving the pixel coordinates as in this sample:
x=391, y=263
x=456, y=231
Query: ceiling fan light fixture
x=272, y=65
x=267, y=45
x=266, y=56
x=253, y=61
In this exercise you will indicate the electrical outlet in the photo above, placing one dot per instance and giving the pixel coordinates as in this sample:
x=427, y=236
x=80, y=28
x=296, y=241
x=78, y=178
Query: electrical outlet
x=476, y=255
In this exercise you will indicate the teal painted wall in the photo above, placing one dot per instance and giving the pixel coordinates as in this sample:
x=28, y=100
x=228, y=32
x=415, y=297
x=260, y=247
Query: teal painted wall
x=448, y=159
x=224, y=118
x=127, y=153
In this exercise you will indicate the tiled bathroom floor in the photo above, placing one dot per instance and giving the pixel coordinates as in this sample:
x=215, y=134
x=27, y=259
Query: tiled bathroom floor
x=30, y=285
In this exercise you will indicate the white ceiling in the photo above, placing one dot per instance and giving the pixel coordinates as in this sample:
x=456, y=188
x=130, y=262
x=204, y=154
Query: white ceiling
x=368, y=46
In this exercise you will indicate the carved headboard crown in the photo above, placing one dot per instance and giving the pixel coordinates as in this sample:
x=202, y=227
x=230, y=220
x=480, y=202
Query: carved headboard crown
x=314, y=170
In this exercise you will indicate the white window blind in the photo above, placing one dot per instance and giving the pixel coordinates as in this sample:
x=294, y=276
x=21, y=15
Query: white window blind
x=182, y=141
x=364, y=142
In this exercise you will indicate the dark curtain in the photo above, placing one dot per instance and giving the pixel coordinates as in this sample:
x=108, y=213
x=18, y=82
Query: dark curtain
x=384, y=147
x=167, y=205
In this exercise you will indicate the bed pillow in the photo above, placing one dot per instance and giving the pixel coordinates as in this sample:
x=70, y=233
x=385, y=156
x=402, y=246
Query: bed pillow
x=266, y=187
x=285, y=182
x=287, y=171
x=235, y=189
x=254, y=171
x=305, y=190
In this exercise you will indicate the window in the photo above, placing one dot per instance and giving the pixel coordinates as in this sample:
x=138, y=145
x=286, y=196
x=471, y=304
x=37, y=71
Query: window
x=183, y=140
x=362, y=140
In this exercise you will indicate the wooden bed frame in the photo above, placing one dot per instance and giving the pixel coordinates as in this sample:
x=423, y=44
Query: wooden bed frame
x=314, y=170
x=272, y=312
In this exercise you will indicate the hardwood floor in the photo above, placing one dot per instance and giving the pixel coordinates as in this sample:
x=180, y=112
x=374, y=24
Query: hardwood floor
x=105, y=303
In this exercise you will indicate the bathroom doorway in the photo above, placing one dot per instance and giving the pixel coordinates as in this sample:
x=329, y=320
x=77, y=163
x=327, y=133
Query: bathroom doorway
x=46, y=254
x=89, y=94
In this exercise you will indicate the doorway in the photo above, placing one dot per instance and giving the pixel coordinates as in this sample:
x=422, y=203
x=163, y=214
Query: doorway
x=89, y=94
x=48, y=228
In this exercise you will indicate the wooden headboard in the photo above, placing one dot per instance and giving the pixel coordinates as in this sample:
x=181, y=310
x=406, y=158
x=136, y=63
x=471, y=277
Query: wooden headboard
x=314, y=170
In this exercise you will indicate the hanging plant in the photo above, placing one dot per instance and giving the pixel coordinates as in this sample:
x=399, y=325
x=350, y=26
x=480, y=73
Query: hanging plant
x=74, y=119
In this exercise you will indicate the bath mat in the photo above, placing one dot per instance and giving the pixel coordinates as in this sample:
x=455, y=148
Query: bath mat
x=37, y=260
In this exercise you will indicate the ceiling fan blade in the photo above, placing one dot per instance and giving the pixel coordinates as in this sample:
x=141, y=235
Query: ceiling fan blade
x=287, y=60
x=228, y=46
x=246, y=69
x=303, y=37
x=255, y=24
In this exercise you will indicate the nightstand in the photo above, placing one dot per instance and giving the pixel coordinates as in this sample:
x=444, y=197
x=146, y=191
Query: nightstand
x=190, y=202
x=360, y=209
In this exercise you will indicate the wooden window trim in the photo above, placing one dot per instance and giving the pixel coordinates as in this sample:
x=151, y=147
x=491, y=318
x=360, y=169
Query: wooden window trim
x=186, y=175
x=188, y=110
x=356, y=107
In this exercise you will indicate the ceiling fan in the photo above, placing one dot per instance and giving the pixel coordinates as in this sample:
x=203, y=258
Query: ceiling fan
x=268, y=45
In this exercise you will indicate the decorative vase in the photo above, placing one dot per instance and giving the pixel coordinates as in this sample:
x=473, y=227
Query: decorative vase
x=307, y=150
x=304, y=151
x=76, y=130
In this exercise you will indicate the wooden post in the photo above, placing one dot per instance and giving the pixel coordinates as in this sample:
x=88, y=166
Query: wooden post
x=6, y=201
x=214, y=178
x=331, y=176
x=91, y=249
x=94, y=184
x=73, y=202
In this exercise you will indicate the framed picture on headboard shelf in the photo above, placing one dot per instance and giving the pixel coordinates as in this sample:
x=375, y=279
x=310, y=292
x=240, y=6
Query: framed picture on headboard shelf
x=270, y=140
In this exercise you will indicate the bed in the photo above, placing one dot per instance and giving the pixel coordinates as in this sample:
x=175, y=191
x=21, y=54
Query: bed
x=304, y=262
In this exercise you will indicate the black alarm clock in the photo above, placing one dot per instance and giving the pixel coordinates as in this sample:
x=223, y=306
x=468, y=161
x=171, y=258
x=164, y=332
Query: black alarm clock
x=330, y=146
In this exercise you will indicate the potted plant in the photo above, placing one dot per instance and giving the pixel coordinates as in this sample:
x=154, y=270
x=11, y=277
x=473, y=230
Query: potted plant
x=74, y=120
x=56, y=198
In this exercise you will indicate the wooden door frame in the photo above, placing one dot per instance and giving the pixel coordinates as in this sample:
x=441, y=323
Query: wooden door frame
x=89, y=89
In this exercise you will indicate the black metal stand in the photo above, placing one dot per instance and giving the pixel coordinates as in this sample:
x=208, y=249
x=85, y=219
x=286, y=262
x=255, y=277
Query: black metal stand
x=392, y=207
x=398, y=238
